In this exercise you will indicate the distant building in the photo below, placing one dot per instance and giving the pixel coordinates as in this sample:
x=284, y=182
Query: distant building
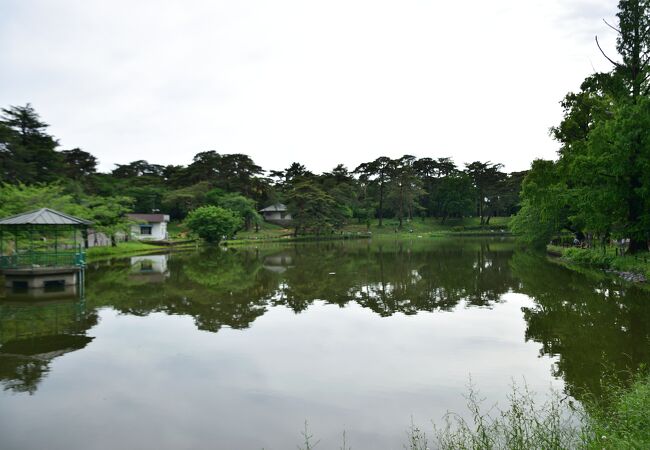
x=149, y=226
x=277, y=214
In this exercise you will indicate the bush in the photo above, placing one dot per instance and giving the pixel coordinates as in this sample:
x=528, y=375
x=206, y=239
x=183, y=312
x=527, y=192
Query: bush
x=593, y=258
x=212, y=223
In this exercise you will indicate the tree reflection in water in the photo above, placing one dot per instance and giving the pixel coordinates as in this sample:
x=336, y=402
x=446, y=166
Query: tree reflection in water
x=592, y=325
x=33, y=334
x=596, y=326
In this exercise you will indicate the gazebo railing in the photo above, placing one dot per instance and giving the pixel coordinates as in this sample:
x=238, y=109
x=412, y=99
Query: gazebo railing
x=37, y=259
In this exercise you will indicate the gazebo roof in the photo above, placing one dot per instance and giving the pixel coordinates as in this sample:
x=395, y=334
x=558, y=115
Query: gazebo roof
x=44, y=216
x=275, y=208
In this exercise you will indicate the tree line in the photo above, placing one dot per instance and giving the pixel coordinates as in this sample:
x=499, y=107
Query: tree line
x=402, y=189
x=599, y=187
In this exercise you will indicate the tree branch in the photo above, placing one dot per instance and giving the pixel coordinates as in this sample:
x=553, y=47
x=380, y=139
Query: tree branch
x=605, y=55
x=612, y=27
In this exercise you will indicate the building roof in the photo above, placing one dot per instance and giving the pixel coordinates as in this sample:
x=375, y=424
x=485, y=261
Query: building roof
x=277, y=207
x=44, y=216
x=153, y=218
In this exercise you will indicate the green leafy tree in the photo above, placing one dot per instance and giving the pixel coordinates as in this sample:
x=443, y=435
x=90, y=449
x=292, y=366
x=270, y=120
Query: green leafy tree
x=179, y=202
x=487, y=178
x=455, y=196
x=405, y=188
x=543, y=211
x=78, y=164
x=20, y=198
x=313, y=210
x=243, y=206
x=377, y=173
x=212, y=223
x=108, y=215
x=601, y=174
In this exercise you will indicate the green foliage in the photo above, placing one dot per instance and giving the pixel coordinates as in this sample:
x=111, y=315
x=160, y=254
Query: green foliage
x=19, y=198
x=543, y=213
x=601, y=182
x=108, y=214
x=212, y=223
x=525, y=424
x=27, y=152
x=313, y=210
x=243, y=206
x=178, y=203
x=403, y=189
x=455, y=196
x=593, y=258
x=78, y=164
x=625, y=423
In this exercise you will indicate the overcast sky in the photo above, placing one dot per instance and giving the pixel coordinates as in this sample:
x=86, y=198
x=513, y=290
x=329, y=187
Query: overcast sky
x=319, y=82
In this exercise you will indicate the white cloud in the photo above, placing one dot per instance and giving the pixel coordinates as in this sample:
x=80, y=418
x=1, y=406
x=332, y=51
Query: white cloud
x=318, y=82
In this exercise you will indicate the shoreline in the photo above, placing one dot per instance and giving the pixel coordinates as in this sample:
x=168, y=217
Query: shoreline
x=629, y=268
x=132, y=248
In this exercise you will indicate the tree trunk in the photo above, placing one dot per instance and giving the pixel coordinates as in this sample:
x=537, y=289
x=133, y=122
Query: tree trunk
x=381, y=204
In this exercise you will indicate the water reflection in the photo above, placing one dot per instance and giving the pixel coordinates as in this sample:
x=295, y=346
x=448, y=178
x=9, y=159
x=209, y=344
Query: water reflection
x=596, y=326
x=32, y=334
x=588, y=325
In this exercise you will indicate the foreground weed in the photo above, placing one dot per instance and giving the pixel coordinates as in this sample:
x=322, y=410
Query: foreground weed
x=307, y=439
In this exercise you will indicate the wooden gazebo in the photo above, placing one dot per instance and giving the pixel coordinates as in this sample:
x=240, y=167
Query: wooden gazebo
x=42, y=243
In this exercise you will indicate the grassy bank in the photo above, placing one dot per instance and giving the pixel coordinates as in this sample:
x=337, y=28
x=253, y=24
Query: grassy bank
x=632, y=267
x=128, y=248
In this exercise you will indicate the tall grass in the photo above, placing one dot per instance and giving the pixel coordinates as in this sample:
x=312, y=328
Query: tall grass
x=619, y=420
x=526, y=423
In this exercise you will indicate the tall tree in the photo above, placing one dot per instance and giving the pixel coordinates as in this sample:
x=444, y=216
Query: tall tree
x=405, y=188
x=78, y=164
x=377, y=173
x=486, y=177
x=27, y=152
x=314, y=210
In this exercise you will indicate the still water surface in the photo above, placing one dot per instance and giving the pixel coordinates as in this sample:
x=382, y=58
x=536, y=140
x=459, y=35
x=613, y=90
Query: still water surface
x=235, y=349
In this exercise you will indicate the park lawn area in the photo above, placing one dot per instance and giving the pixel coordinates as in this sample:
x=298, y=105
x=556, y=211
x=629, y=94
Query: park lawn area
x=419, y=227
x=267, y=231
x=431, y=226
x=177, y=231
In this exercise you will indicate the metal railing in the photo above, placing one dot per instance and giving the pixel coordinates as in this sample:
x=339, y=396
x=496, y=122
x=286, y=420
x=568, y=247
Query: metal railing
x=37, y=259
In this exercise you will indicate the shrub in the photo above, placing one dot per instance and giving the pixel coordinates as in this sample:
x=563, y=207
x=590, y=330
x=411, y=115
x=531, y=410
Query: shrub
x=212, y=223
x=592, y=258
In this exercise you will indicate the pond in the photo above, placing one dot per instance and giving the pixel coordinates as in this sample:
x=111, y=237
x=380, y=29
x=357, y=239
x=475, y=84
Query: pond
x=237, y=348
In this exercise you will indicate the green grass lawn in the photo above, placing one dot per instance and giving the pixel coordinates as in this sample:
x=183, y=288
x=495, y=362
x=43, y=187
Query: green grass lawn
x=432, y=226
x=390, y=228
x=122, y=248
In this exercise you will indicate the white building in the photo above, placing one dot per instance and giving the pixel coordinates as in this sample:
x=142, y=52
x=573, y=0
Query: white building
x=149, y=226
x=277, y=214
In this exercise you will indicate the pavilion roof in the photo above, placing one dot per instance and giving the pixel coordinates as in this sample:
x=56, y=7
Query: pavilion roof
x=274, y=208
x=44, y=216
